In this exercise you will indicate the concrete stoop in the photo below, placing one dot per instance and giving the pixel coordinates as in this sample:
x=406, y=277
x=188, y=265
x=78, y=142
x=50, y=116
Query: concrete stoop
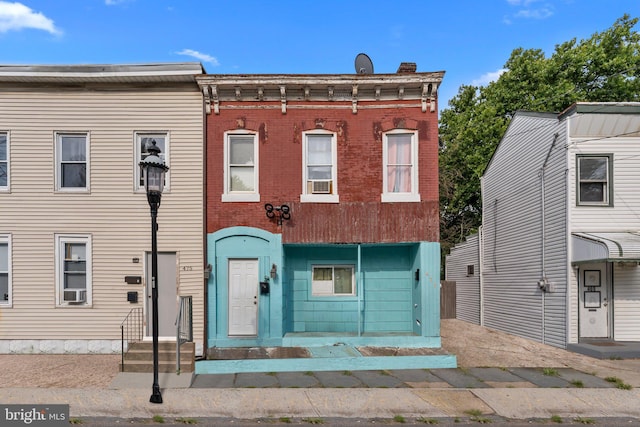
x=321, y=358
x=139, y=357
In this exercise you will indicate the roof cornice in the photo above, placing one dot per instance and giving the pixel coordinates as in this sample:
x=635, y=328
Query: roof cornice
x=352, y=88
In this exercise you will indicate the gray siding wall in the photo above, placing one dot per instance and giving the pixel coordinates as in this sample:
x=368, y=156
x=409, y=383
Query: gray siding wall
x=513, y=242
x=467, y=286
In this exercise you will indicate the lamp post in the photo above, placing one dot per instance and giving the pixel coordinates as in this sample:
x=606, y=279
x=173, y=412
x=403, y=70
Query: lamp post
x=153, y=171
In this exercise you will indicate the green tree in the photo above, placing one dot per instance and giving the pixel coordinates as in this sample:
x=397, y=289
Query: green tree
x=604, y=67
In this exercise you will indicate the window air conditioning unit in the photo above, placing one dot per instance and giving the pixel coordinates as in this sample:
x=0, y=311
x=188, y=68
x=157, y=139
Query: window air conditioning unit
x=321, y=187
x=74, y=295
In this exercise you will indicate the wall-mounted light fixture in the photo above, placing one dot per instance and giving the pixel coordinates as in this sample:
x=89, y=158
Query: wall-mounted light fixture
x=281, y=212
x=274, y=271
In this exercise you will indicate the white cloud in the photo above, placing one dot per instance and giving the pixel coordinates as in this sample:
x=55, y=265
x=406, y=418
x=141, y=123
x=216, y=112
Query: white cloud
x=489, y=77
x=16, y=16
x=527, y=10
x=541, y=13
x=113, y=2
x=200, y=56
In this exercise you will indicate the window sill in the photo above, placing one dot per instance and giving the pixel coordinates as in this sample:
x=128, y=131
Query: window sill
x=78, y=306
x=241, y=197
x=73, y=190
x=319, y=198
x=399, y=197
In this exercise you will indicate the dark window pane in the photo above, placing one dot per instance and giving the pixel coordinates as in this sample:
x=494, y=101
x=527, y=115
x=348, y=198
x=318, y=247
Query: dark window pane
x=593, y=168
x=4, y=286
x=3, y=174
x=343, y=280
x=3, y=147
x=75, y=281
x=592, y=192
x=74, y=175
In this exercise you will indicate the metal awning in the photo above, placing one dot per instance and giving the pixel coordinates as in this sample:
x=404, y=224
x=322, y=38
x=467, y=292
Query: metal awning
x=615, y=247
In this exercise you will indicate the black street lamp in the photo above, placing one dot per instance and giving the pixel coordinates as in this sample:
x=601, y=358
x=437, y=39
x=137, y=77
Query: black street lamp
x=153, y=171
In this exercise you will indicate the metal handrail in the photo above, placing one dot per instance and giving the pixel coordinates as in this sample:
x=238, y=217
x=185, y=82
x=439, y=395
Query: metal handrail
x=184, y=326
x=132, y=327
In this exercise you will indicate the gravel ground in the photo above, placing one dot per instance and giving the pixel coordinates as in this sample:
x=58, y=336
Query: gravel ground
x=473, y=345
x=58, y=370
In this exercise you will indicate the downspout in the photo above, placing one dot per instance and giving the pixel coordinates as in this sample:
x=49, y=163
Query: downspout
x=543, y=283
x=360, y=288
x=205, y=254
x=481, y=255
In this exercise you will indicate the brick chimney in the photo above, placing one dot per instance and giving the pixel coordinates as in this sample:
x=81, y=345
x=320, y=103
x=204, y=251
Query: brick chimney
x=407, y=67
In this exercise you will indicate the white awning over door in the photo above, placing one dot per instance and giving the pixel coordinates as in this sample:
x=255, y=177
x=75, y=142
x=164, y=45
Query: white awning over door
x=614, y=247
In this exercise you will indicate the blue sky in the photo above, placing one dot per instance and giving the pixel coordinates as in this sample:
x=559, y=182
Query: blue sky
x=469, y=39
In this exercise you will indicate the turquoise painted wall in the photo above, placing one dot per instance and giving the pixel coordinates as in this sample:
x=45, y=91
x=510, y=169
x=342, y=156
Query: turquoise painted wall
x=389, y=298
x=429, y=295
x=387, y=272
x=385, y=302
x=244, y=243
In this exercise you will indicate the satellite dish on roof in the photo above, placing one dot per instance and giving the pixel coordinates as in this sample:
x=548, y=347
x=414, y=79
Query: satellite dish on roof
x=364, y=64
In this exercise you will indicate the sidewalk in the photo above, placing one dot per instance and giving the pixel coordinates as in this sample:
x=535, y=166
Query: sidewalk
x=498, y=375
x=522, y=403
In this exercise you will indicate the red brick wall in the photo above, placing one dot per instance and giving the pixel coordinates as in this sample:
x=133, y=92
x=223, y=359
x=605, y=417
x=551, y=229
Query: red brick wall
x=360, y=216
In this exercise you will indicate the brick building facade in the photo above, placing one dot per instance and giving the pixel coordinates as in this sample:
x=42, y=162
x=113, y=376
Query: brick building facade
x=350, y=251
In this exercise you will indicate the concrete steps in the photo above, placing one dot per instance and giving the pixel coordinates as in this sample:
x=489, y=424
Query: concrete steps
x=139, y=357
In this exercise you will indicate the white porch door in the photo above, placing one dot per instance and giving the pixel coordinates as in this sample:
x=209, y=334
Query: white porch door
x=167, y=295
x=243, y=297
x=594, y=301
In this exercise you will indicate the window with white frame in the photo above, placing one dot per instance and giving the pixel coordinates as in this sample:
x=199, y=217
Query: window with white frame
x=332, y=280
x=320, y=169
x=72, y=161
x=594, y=179
x=241, y=167
x=400, y=163
x=142, y=141
x=73, y=268
x=4, y=161
x=5, y=270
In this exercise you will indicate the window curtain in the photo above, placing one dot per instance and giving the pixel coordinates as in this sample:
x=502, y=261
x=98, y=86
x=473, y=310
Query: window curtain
x=73, y=161
x=241, y=164
x=4, y=271
x=399, y=163
x=75, y=266
x=319, y=157
x=3, y=160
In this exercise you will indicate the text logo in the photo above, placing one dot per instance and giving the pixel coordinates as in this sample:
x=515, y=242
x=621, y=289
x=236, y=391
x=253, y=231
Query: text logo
x=34, y=415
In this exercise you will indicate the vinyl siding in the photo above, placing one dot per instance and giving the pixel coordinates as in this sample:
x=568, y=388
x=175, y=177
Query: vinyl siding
x=626, y=303
x=598, y=134
x=623, y=215
x=467, y=286
x=512, y=230
x=116, y=218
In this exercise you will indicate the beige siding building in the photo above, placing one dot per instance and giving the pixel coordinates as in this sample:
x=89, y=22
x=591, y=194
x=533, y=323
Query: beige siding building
x=74, y=217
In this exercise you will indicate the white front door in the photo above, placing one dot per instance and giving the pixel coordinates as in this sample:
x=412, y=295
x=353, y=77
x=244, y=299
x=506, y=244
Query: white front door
x=594, y=300
x=243, y=297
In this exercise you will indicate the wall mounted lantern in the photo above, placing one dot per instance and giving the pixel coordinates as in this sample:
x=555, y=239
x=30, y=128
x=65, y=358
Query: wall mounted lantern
x=280, y=212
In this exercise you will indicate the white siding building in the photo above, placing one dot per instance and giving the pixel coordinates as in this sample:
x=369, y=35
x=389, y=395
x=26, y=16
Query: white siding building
x=74, y=218
x=560, y=241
